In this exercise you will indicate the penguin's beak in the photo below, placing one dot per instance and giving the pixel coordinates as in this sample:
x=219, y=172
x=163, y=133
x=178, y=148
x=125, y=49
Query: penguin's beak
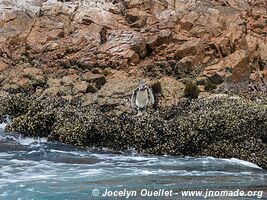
x=141, y=87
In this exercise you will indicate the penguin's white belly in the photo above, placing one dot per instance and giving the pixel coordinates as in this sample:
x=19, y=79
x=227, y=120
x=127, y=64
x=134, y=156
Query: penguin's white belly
x=141, y=99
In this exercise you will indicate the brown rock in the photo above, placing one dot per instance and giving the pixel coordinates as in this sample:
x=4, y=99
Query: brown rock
x=89, y=99
x=263, y=48
x=264, y=75
x=99, y=79
x=94, y=14
x=192, y=47
x=171, y=90
x=68, y=97
x=34, y=74
x=117, y=90
x=238, y=4
x=69, y=79
x=158, y=6
x=131, y=55
x=80, y=87
x=235, y=65
x=136, y=18
x=185, y=66
x=91, y=88
x=3, y=66
x=87, y=75
x=125, y=44
x=11, y=88
x=255, y=76
x=256, y=43
x=19, y=84
x=22, y=82
x=52, y=91
x=134, y=3
x=189, y=19
x=163, y=37
x=125, y=41
x=52, y=82
x=201, y=88
x=97, y=70
x=66, y=90
x=259, y=76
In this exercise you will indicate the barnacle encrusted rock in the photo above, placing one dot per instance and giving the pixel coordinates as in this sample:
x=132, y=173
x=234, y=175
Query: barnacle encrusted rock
x=220, y=126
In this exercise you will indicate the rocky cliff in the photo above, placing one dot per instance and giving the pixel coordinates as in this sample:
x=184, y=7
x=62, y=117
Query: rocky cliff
x=98, y=50
x=67, y=70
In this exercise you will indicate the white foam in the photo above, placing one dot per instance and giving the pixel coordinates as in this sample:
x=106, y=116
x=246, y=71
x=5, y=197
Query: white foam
x=92, y=172
x=30, y=189
x=6, y=168
x=3, y=126
x=4, y=194
x=2, y=185
x=68, y=152
x=140, y=172
x=124, y=158
x=30, y=141
x=4, y=155
x=173, y=161
x=243, y=162
x=147, y=172
x=19, y=171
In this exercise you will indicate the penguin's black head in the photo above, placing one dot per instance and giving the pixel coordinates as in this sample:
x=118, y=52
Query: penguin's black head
x=141, y=85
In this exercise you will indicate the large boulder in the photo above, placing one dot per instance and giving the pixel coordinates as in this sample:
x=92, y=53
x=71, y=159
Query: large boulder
x=235, y=65
x=126, y=44
x=171, y=91
x=117, y=91
x=192, y=47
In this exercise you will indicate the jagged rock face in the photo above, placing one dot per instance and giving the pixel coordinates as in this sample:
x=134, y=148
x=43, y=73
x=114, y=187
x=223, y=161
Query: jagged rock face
x=137, y=38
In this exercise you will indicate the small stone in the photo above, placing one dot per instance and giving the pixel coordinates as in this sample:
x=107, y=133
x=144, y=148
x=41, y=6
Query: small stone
x=53, y=82
x=80, y=87
x=216, y=79
x=91, y=88
x=97, y=70
x=32, y=72
x=99, y=79
x=70, y=79
x=52, y=91
x=201, y=80
x=132, y=56
x=3, y=66
x=11, y=88
x=201, y=88
x=68, y=97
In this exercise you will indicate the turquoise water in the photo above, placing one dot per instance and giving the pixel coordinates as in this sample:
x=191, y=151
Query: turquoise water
x=39, y=170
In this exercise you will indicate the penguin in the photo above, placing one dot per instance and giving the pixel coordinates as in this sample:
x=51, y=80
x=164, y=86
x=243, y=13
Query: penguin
x=141, y=97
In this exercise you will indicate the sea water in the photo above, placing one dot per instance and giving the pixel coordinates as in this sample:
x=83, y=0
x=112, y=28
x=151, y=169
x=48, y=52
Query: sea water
x=40, y=170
